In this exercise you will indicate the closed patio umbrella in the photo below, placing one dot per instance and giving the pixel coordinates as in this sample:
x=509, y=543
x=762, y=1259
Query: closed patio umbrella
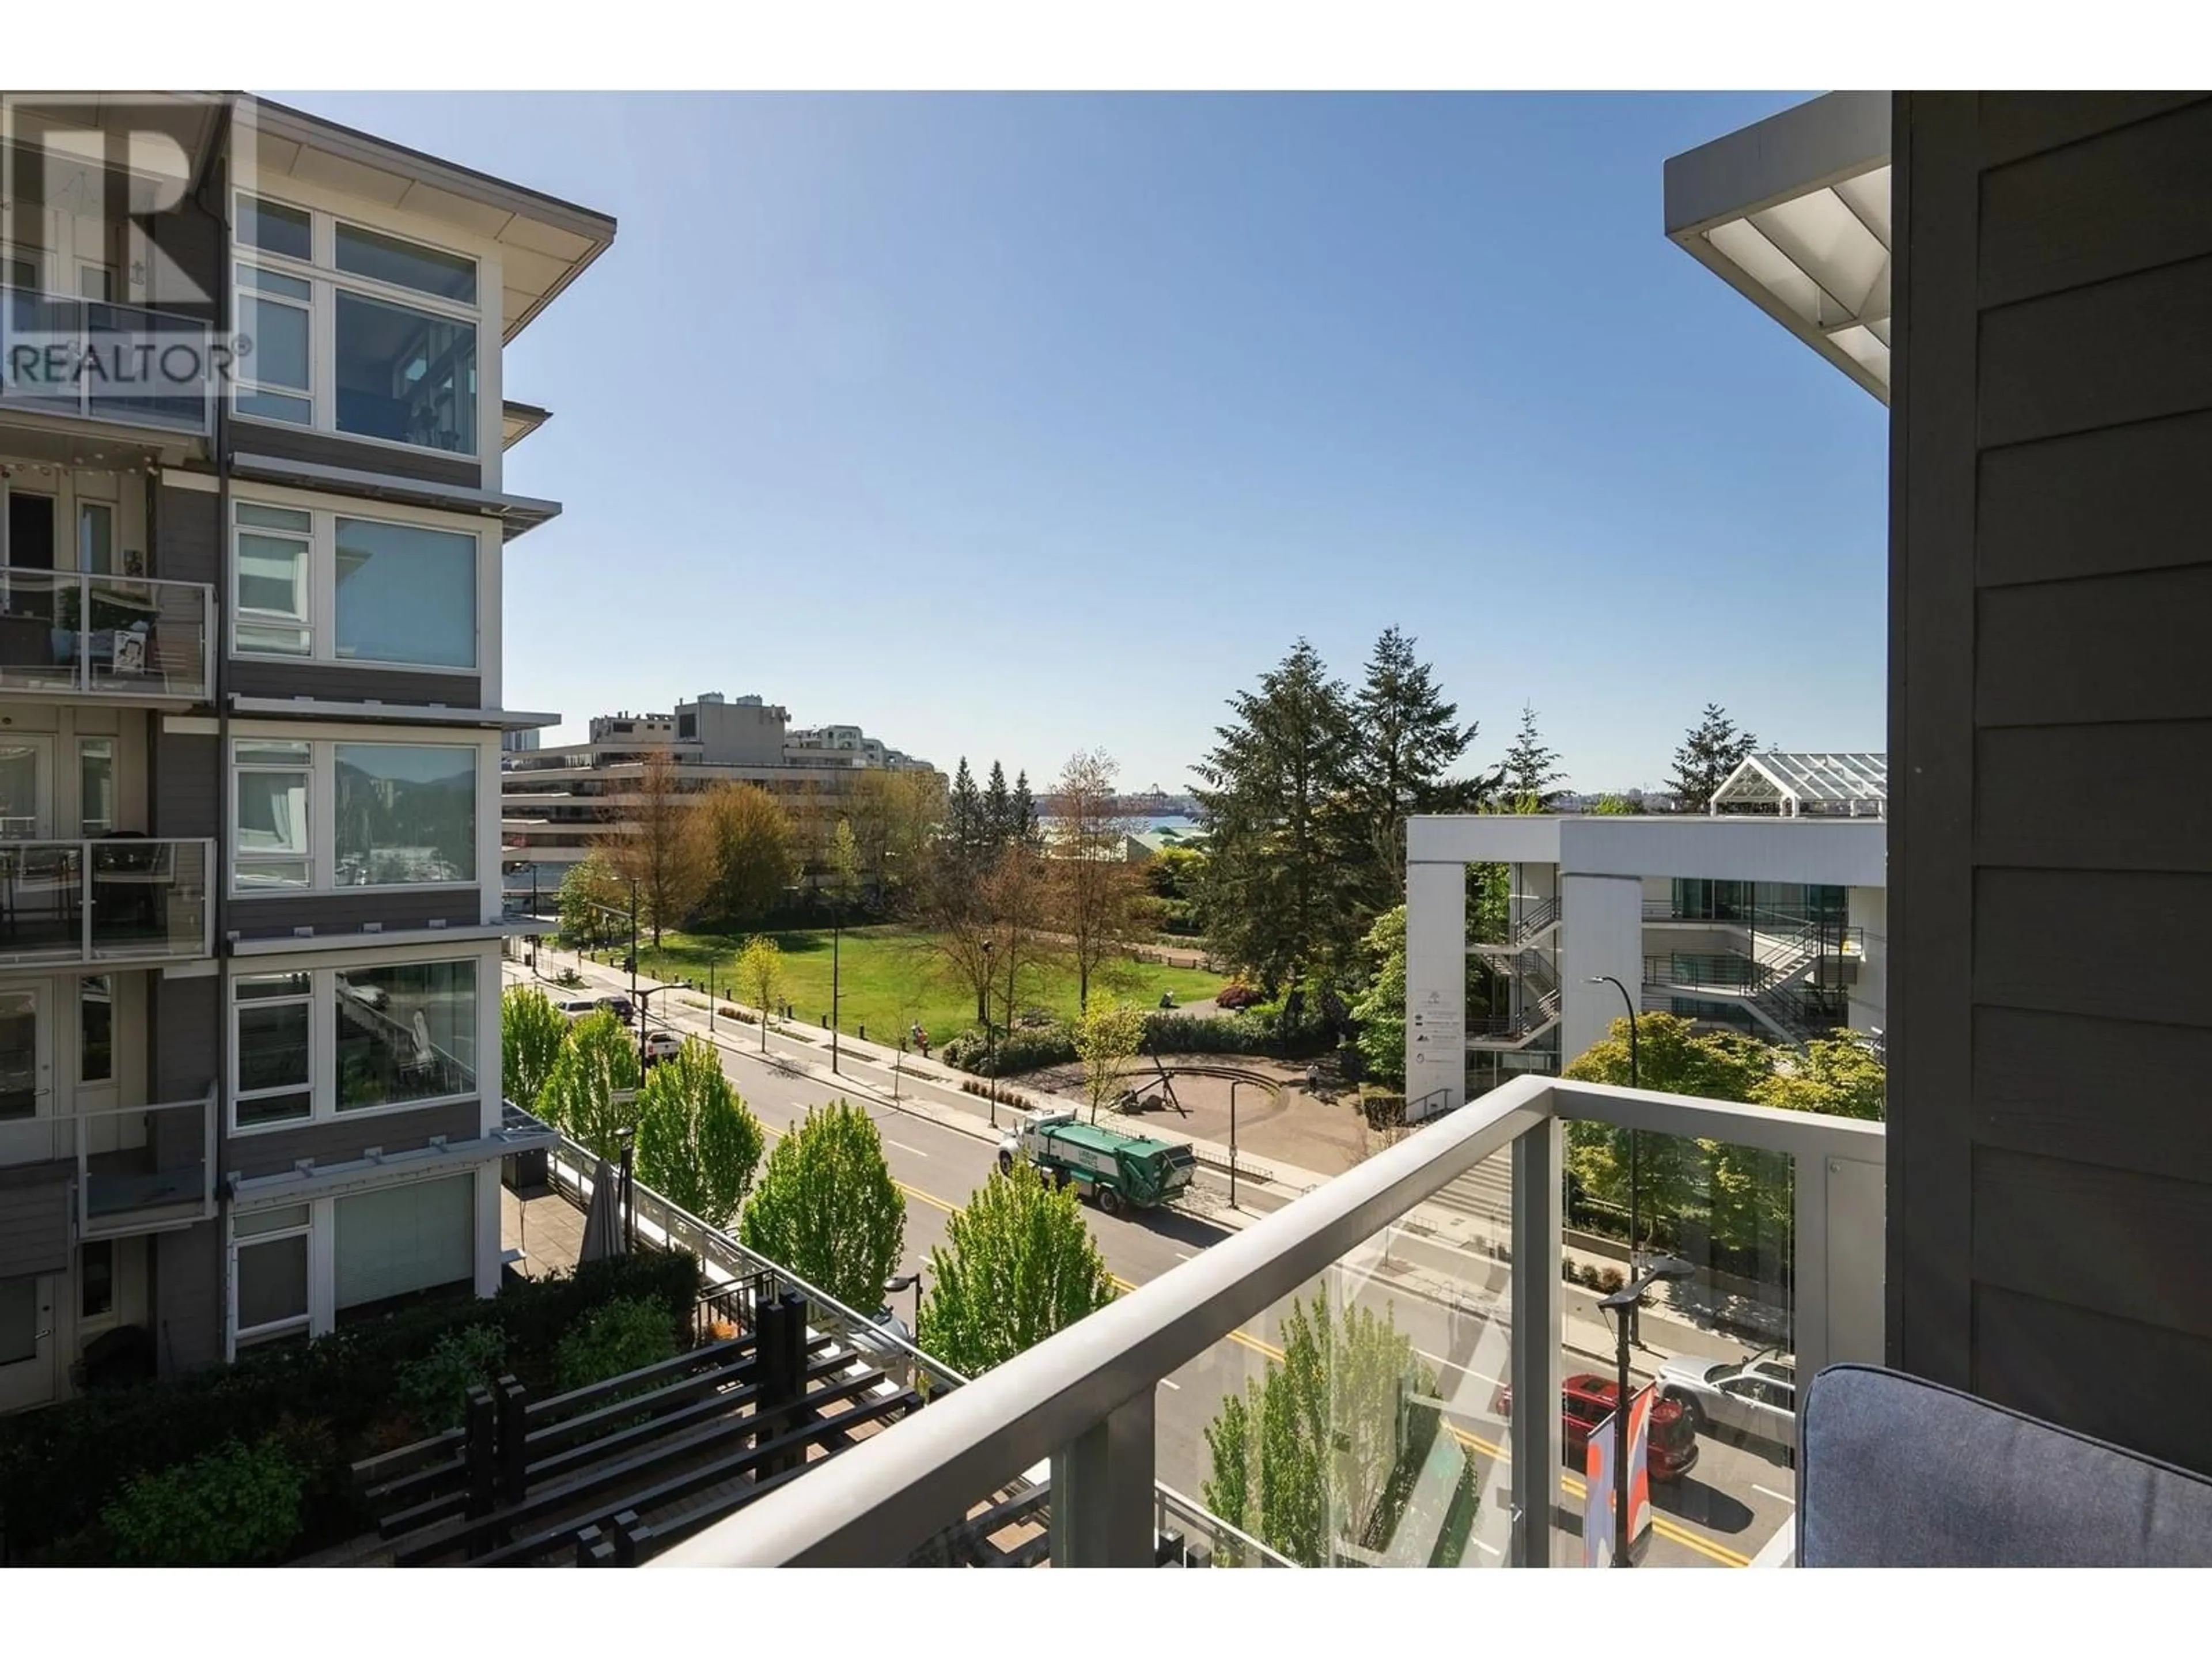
x=602, y=1219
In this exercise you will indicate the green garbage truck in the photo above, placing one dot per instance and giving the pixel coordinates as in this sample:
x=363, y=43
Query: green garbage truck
x=1121, y=1172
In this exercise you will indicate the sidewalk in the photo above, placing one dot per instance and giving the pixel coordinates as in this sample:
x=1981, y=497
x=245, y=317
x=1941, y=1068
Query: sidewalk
x=1261, y=1191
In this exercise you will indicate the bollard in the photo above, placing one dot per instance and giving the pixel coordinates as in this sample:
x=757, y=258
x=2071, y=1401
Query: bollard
x=514, y=1441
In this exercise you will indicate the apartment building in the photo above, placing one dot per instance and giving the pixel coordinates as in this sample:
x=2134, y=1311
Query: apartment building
x=251, y=717
x=558, y=801
x=1768, y=915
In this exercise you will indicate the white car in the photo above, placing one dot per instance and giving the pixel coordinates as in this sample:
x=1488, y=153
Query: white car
x=662, y=1045
x=1757, y=1397
x=583, y=1008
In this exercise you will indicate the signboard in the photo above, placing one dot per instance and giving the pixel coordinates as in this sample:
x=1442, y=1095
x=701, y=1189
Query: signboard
x=1597, y=1495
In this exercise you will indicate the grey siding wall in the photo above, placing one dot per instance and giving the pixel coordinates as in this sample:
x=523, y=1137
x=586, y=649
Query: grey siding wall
x=344, y=913
x=187, y=1303
x=188, y=538
x=2051, y=841
x=186, y=784
x=34, y=1219
x=185, y=1051
x=343, y=685
x=292, y=443
x=342, y=1141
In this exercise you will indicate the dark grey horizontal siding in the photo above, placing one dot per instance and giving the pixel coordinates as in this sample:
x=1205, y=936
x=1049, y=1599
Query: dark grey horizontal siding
x=2124, y=943
x=2125, y=498
x=293, y=443
x=2014, y=125
x=189, y=1300
x=188, y=538
x=2047, y=1083
x=185, y=1014
x=2115, y=649
x=2137, y=807
x=346, y=1140
x=336, y=683
x=34, y=1219
x=186, y=784
x=345, y=912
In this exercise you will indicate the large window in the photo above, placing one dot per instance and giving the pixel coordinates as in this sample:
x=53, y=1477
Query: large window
x=273, y=782
x=405, y=1033
x=405, y=594
x=270, y=1264
x=395, y=357
x=276, y=1047
x=402, y=1242
x=350, y=588
x=406, y=813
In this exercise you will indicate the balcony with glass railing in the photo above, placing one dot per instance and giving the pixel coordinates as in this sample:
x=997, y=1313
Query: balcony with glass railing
x=119, y=365
x=122, y=638
x=137, y=1169
x=120, y=899
x=1336, y=1384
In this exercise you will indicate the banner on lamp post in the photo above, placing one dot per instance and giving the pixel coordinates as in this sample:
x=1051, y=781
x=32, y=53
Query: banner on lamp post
x=1597, y=1491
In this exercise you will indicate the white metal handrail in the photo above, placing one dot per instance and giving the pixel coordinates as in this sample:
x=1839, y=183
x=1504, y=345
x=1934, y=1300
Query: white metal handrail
x=81, y=1122
x=1084, y=1398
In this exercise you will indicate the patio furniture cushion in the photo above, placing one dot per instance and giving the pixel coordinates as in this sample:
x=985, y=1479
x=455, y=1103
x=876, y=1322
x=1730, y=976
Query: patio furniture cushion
x=1899, y=1472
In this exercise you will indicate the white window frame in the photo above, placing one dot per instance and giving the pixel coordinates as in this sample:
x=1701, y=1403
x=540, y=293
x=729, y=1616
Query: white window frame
x=241, y=859
x=321, y=271
x=323, y=1081
x=317, y=1318
x=321, y=599
x=322, y=808
x=252, y=258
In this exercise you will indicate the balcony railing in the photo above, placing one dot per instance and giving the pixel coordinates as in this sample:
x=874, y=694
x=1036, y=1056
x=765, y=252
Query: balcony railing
x=125, y=637
x=90, y=360
x=138, y=1167
x=122, y=899
x=1088, y=1400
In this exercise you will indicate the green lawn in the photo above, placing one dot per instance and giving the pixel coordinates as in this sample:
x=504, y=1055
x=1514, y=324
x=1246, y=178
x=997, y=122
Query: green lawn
x=888, y=979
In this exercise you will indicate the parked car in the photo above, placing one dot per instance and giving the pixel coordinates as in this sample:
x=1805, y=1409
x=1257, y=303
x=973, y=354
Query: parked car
x=620, y=1007
x=662, y=1045
x=583, y=1008
x=1586, y=1400
x=1756, y=1397
x=878, y=1352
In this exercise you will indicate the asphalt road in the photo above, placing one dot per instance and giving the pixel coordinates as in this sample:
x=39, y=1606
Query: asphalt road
x=1720, y=1514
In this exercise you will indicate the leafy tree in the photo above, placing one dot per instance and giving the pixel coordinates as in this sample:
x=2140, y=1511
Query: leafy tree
x=1094, y=898
x=1835, y=1075
x=1532, y=769
x=760, y=969
x=1618, y=806
x=1322, y=1451
x=1712, y=749
x=1015, y=899
x=956, y=925
x=751, y=848
x=998, y=810
x=1107, y=1034
x=1381, y=1011
x=1407, y=738
x=827, y=1208
x=1278, y=899
x=661, y=852
x=1018, y=1264
x=697, y=1142
x=589, y=893
x=596, y=1062
x=531, y=1033
x=892, y=814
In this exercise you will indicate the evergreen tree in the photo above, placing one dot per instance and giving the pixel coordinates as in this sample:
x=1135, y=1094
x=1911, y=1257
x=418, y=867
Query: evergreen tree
x=1532, y=769
x=1712, y=749
x=1021, y=810
x=1408, y=737
x=963, y=819
x=998, y=810
x=1278, y=890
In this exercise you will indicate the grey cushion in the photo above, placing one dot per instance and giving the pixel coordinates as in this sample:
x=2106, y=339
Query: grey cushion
x=1901, y=1472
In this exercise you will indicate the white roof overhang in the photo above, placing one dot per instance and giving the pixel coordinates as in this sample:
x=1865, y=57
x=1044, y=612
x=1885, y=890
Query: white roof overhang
x=1793, y=212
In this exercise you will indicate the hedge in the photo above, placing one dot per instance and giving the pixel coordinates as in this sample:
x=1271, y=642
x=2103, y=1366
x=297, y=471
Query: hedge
x=1165, y=1033
x=59, y=1467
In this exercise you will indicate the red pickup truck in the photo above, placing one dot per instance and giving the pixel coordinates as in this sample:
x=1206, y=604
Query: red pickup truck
x=1586, y=1400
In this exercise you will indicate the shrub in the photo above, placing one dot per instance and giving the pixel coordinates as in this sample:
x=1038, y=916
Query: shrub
x=1610, y=1279
x=621, y=1336
x=1567, y=1268
x=1018, y=1050
x=997, y=1092
x=434, y=1390
x=1236, y=995
x=1587, y=1276
x=237, y=1505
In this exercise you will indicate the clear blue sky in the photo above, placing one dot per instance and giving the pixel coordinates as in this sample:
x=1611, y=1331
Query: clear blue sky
x=1009, y=425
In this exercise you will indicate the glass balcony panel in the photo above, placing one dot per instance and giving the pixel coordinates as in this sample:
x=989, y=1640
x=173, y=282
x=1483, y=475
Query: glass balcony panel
x=41, y=901
x=148, y=898
x=92, y=360
x=143, y=1164
x=111, y=637
x=1719, y=1345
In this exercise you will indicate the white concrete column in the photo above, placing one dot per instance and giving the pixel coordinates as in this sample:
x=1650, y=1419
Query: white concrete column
x=1436, y=984
x=1600, y=931
x=1869, y=910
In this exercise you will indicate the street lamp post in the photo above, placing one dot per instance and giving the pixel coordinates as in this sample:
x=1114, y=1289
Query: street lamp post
x=836, y=939
x=636, y=1008
x=1622, y=1305
x=990, y=1072
x=1232, y=1141
x=1634, y=1151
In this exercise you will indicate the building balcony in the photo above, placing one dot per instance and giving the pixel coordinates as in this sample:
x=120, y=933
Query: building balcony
x=108, y=639
x=135, y=1169
x=1411, y=1354
x=120, y=367
x=121, y=900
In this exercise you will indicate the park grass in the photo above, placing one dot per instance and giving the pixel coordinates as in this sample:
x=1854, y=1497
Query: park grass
x=888, y=979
